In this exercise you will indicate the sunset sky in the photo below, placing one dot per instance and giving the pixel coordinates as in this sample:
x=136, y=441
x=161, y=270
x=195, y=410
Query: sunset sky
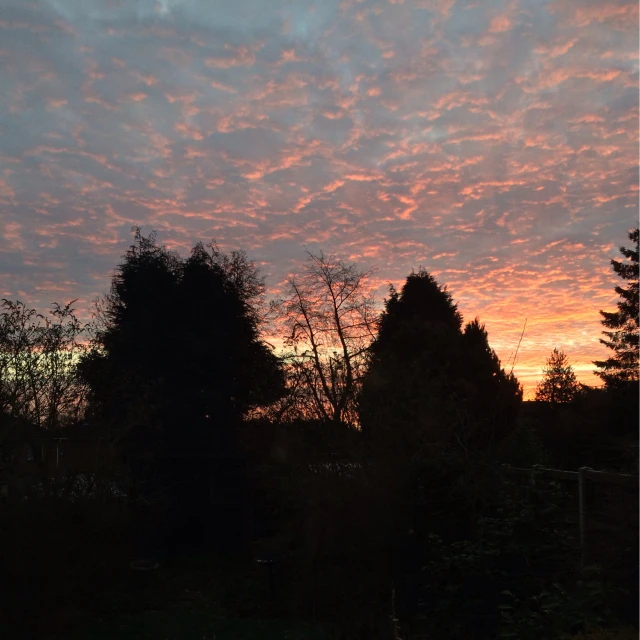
x=493, y=143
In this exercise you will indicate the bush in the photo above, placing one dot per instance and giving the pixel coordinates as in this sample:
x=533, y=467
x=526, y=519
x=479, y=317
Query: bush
x=55, y=552
x=517, y=575
x=523, y=448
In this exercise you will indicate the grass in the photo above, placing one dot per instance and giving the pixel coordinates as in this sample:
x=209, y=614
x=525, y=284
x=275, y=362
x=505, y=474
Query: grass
x=193, y=598
x=622, y=633
x=195, y=624
x=70, y=586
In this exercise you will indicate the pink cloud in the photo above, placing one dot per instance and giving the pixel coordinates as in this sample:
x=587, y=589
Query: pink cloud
x=500, y=24
x=238, y=57
x=506, y=163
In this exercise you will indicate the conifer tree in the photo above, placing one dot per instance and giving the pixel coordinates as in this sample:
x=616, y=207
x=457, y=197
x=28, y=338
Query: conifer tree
x=429, y=381
x=559, y=384
x=622, y=337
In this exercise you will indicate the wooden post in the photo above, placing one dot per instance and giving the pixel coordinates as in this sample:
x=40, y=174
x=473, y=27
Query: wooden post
x=582, y=511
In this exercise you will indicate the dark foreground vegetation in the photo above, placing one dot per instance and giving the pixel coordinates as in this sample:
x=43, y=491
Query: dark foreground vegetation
x=165, y=475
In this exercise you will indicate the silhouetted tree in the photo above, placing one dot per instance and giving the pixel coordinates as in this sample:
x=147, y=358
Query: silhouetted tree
x=176, y=364
x=405, y=394
x=622, y=368
x=329, y=318
x=428, y=381
x=179, y=348
x=559, y=384
x=492, y=396
x=243, y=274
x=38, y=358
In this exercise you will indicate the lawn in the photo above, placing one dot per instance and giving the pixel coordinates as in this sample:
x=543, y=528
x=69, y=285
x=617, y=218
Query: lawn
x=193, y=598
x=194, y=624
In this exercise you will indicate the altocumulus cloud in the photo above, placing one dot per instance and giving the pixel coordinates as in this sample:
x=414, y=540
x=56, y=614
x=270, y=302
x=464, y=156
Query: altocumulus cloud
x=494, y=143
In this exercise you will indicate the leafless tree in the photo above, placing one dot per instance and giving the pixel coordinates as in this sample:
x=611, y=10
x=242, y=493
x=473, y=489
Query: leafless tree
x=329, y=318
x=38, y=358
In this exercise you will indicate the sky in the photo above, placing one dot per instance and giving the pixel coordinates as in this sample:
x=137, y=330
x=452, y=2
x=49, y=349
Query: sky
x=493, y=143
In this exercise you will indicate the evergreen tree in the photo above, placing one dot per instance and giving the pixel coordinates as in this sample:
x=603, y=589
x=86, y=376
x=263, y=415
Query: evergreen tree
x=493, y=397
x=621, y=368
x=179, y=349
x=404, y=398
x=175, y=367
x=559, y=384
x=428, y=381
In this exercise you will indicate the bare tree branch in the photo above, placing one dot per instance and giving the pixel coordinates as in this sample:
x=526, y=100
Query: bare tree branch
x=328, y=317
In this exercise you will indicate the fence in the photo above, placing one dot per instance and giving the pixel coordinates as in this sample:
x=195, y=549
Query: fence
x=600, y=510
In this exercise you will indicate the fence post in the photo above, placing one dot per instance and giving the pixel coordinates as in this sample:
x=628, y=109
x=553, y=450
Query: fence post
x=582, y=511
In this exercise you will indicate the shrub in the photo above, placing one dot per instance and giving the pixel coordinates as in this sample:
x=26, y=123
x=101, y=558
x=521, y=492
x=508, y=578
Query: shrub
x=517, y=575
x=54, y=552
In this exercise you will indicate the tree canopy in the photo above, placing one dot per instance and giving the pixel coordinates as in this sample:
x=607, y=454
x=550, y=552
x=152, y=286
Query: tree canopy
x=621, y=368
x=428, y=379
x=179, y=348
x=559, y=384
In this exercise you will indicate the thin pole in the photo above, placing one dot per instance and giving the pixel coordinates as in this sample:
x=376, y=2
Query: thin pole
x=518, y=347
